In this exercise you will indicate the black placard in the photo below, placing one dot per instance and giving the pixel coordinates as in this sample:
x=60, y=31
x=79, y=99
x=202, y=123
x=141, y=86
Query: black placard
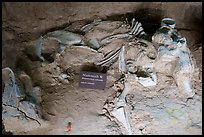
x=92, y=80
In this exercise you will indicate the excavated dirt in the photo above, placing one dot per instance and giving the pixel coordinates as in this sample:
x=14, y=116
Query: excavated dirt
x=156, y=110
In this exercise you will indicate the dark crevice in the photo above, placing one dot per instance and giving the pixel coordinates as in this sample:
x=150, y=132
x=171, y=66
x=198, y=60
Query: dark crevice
x=150, y=18
x=94, y=68
x=49, y=57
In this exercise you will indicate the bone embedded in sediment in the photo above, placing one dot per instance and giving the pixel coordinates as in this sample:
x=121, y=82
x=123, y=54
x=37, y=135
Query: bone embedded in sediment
x=119, y=114
x=111, y=38
x=109, y=58
x=163, y=36
x=146, y=82
x=65, y=37
x=122, y=65
x=85, y=48
x=135, y=27
x=94, y=43
x=151, y=80
x=111, y=46
x=150, y=45
x=132, y=23
x=184, y=72
x=188, y=88
x=174, y=58
x=166, y=61
x=86, y=28
x=121, y=99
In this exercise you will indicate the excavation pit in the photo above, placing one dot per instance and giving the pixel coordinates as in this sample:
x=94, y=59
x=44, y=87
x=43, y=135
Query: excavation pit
x=155, y=110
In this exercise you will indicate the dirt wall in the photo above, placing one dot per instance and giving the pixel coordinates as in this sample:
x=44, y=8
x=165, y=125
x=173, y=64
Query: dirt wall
x=28, y=20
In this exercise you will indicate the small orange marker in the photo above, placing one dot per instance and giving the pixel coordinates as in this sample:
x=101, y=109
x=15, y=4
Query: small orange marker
x=69, y=126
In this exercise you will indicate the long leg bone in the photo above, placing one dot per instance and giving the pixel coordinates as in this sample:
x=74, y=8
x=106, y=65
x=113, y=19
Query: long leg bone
x=119, y=111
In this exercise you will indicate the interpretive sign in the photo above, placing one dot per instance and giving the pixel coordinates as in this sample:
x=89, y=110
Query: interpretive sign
x=92, y=80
